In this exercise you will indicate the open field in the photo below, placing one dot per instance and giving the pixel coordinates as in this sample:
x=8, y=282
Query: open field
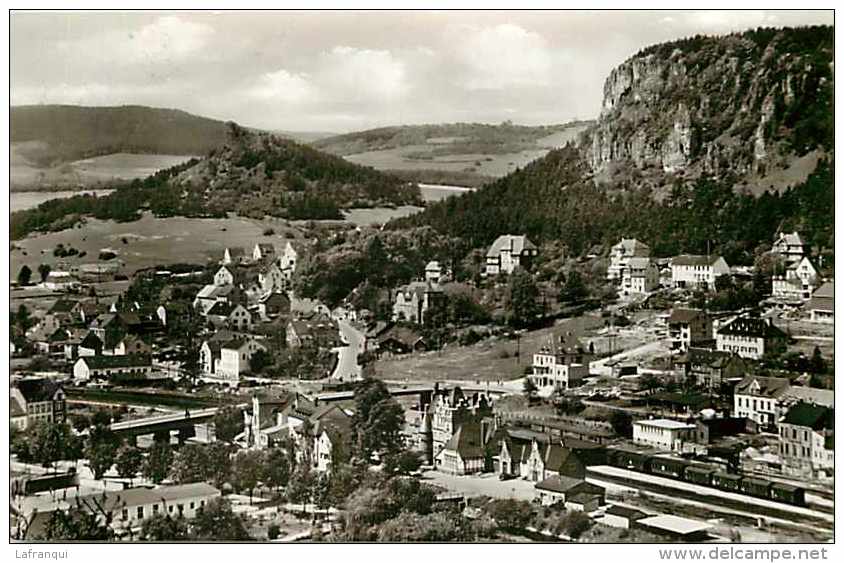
x=149, y=241
x=88, y=172
x=488, y=360
x=484, y=164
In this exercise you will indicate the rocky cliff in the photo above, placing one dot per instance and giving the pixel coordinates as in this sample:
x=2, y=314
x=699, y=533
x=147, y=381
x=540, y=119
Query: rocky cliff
x=754, y=105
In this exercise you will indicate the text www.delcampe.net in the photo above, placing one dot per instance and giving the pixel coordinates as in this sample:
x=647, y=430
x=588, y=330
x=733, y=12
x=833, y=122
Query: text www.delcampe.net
x=744, y=554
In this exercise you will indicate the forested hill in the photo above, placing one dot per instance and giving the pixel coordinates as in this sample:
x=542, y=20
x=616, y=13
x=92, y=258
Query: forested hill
x=659, y=174
x=252, y=174
x=53, y=134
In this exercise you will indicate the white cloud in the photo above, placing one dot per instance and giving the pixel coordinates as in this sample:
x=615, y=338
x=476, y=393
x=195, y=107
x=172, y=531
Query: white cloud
x=720, y=21
x=284, y=86
x=503, y=56
x=168, y=40
x=362, y=74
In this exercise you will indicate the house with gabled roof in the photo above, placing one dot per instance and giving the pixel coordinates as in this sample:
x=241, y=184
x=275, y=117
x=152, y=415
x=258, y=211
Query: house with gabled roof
x=821, y=306
x=750, y=337
x=227, y=360
x=622, y=252
x=412, y=302
x=710, y=368
x=463, y=454
x=509, y=252
x=790, y=246
x=797, y=283
x=263, y=252
x=228, y=315
x=562, y=362
x=34, y=400
x=559, y=489
x=689, y=327
x=234, y=255
x=760, y=399
x=690, y=271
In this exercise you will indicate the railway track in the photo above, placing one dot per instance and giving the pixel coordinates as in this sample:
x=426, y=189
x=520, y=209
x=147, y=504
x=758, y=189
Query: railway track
x=687, y=491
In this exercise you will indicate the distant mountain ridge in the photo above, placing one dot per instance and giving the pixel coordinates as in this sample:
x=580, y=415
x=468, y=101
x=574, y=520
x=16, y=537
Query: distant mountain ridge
x=54, y=134
x=446, y=138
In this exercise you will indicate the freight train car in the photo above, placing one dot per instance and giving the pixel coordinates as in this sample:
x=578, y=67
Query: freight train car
x=791, y=494
x=668, y=467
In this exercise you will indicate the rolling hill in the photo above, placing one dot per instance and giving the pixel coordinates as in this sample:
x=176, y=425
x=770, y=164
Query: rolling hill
x=459, y=153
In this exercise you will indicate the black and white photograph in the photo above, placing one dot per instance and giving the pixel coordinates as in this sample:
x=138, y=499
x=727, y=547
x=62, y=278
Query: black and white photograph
x=556, y=276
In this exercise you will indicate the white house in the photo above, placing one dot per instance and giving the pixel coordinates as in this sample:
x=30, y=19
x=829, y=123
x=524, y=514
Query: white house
x=509, y=252
x=234, y=316
x=61, y=281
x=750, y=337
x=227, y=361
x=691, y=271
x=760, y=399
x=798, y=282
x=663, y=434
x=288, y=259
x=639, y=275
x=689, y=327
x=412, y=302
x=234, y=255
x=622, y=252
x=90, y=367
x=790, y=246
x=562, y=362
x=433, y=272
x=807, y=441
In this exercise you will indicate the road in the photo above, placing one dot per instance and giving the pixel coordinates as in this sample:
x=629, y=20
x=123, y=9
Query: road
x=347, y=363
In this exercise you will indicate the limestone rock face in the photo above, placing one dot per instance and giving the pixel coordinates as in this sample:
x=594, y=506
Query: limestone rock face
x=709, y=105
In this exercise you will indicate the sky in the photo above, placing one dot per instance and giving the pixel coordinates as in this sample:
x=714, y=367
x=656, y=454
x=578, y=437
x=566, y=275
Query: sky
x=346, y=71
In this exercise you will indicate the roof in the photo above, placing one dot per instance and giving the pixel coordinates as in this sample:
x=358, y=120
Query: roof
x=824, y=397
x=432, y=265
x=63, y=306
x=708, y=357
x=675, y=524
x=626, y=512
x=266, y=247
x=37, y=390
x=15, y=408
x=823, y=299
x=631, y=246
x=236, y=251
x=816, y=417
x=666, y=423
x=559, y=483
x=91, y=341
x=467, y=441
x=680, y=315
x=638, y=263
x=514, y=244
x=564, y=343
x=694, y=260
x=140, y=496
x=791, y=239
x=108, y=362
x=223, y=309
x=767, y=386
x=753, y=327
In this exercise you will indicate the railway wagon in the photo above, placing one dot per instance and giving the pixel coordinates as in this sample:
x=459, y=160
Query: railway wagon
x=667, y=467
x=791, y=494
x=756, y=487
x=633, y=461
x=726, y=482
x=699, y=475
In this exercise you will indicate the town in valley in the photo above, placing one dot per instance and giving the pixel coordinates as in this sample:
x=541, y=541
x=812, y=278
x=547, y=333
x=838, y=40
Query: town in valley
x=613, y=330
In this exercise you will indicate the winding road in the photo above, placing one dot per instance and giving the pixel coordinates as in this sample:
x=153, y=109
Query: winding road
x=347, y=362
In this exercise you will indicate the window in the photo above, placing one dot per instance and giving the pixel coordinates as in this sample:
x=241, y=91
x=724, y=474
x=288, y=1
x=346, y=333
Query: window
x=124, y=514
x=155, y=509
x=192, y=505
x=140, y=512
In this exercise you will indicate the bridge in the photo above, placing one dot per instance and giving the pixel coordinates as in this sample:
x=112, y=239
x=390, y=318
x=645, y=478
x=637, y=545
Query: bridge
x=161, y=425
x=404, y=391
